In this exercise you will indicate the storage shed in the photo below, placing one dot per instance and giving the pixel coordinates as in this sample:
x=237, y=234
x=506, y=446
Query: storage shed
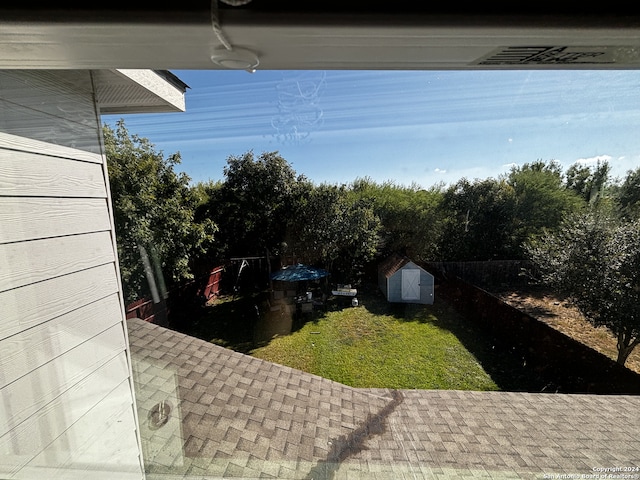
x=402, y=281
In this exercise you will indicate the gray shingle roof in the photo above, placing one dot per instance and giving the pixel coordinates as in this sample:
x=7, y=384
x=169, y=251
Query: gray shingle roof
x=238, y=416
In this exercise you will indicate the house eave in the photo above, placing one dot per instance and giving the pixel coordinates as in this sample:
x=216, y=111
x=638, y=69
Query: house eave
x=125, y=91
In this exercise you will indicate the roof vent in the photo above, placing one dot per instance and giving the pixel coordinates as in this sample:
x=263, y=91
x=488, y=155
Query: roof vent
x=559, y=55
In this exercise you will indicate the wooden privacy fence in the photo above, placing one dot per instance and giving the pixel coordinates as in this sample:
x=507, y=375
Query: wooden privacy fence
x=203, y=288
x=571, y=365
x=512, y=273
x=144, y=309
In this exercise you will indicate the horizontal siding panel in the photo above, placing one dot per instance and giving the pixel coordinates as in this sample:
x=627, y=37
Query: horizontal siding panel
x=24, y=397
x=31, y=305
x=30, y=262
x=31, y=175
x=112, y=454
x=107, y=387
x=54, y=106
x=24, y=352
x=54, y=93
x=33, y=124
x=31, y=218
x=28, y=145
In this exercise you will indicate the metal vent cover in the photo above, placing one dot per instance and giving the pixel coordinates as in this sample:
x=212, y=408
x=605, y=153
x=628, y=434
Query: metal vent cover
x=562, y=56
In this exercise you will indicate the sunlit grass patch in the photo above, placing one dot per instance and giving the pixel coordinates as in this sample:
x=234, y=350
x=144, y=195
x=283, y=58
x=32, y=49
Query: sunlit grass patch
x=382, y=347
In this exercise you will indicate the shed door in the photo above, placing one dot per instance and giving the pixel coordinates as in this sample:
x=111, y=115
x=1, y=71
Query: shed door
x=411, y=284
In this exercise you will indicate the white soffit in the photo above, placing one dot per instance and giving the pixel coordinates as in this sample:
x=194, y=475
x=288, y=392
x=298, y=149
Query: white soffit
x=138, y=91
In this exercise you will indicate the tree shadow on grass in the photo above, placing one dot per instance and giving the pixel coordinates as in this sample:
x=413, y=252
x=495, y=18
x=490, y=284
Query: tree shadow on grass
x=228, y=321
x=241, y=323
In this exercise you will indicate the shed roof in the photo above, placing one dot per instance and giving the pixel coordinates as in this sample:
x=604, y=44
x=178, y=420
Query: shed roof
x=392, y=264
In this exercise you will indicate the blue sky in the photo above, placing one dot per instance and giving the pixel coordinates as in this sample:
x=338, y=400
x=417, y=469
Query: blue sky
x=422, y=127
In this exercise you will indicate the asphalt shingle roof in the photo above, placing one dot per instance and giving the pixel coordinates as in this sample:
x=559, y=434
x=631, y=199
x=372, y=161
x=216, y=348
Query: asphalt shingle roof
x=235, y=416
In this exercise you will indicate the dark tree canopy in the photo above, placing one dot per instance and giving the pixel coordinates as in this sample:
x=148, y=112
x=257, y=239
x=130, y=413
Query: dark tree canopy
x=409, y=217
x=588, y=183
x=332, y=229
x=542, y=198
x=253, y=203
x=478, y=221
x=628, y=195
x=263, y=207
x=153, y=211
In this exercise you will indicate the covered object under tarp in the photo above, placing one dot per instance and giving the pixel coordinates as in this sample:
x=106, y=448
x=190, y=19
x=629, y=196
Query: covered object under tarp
x=403, y=281
x=298, y=273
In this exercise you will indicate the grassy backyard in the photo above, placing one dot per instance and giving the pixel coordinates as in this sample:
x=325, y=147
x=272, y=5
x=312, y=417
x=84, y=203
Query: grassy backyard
x=374, y=345
x=363, y=347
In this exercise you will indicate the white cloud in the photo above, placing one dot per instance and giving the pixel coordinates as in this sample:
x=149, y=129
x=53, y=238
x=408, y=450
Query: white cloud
x=594, y=160
x=439, y=170
x=509, y=165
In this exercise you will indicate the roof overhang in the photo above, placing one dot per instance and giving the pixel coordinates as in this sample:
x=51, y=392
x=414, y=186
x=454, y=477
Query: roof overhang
x=138, y=91
x=319, y=35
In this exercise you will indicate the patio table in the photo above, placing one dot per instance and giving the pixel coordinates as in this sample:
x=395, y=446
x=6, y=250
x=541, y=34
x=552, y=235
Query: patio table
x=345, y=292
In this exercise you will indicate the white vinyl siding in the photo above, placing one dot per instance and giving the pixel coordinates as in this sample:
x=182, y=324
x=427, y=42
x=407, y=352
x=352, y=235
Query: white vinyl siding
x=67, y=405
x=37, y=175
x=27, y=218
x=50, y=106
x=39, y=260
x=52, y=339
x=31, y=305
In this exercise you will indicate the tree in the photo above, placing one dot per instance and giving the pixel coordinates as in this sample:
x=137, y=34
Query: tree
x=333, y=228
x=153, y=211
x=594, y=260
x=628, y=195
x=205, y=194
x=409, y=216
x=254, y=203
x=478, y=221
x=264, y=206
x=542, y=198
x=588, y=183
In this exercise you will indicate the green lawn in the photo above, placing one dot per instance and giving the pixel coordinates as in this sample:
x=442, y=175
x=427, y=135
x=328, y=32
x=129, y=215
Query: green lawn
x=379, y=345
x=375, y=345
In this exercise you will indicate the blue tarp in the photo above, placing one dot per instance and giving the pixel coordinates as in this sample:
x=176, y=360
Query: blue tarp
x=299, y=272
